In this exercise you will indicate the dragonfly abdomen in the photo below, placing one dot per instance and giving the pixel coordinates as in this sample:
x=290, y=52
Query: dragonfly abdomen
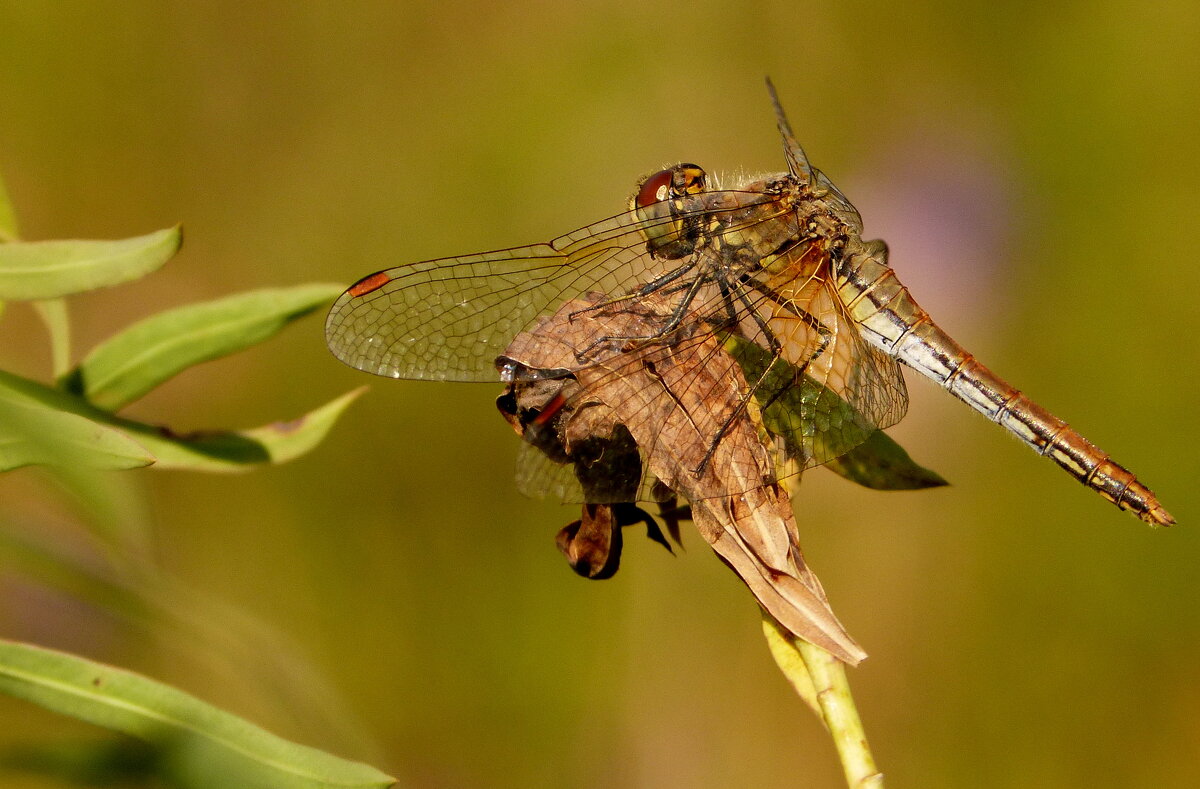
x=983, y=390
x=892, y=320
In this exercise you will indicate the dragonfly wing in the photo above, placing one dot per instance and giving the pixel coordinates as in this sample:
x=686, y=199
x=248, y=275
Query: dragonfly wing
x=818, y=411
x=574, y=449
x=861, y=388
x=830, y=390
x=540, y=477
x=448, y=319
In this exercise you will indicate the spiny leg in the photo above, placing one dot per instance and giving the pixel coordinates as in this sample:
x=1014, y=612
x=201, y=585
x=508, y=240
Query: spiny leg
x=776, y=353
x=644, y=290
x=806, y=317
x=782, y=301
x=671, y=325
x=823, y=331
x=727, y=302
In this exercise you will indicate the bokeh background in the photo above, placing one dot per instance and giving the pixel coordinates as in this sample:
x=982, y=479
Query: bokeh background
x=391, y=597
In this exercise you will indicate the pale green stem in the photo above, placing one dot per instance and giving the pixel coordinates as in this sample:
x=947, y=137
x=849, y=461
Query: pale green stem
x=53, y=313
x=820, y=679
x=841, y=717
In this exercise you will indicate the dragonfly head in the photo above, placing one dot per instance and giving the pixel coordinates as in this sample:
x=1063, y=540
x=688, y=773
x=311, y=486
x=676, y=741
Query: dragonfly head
x=658, y=202
x=674, y=182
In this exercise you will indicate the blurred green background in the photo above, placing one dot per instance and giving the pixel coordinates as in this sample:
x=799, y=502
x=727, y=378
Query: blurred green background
x=1034, y=168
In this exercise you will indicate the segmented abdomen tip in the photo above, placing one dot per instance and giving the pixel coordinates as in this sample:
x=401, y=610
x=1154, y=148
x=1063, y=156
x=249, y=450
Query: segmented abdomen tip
x=1157, y=516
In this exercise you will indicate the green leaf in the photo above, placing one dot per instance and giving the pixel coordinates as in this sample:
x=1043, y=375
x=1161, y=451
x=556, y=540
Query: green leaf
x=199, y=744
x=36, y=432
x=882, y=464
x=116, y=761
x=783, y=648
x=8, y=217
x=49, y=269
x=223, y=450
x=817, y=424
x=136, y=360
x=239, y=450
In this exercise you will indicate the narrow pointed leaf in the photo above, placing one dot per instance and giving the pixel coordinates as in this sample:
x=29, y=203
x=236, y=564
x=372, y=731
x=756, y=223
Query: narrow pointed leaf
x=817, y=423
x=32, y=435
x=223, y=450
x=240, y=450
x=198, y=743
x=49, y=269
x=53, y=313
x=783, y=648
x=34, y=431
x=882, y=464
x=136, y=360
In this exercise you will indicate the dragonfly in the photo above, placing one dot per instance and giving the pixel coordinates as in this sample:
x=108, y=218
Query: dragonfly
x=777, y=262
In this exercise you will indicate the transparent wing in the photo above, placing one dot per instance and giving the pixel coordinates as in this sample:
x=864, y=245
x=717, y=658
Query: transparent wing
x=448, y=319
x=814, y=407
x=540, y=477
x=829, y=389
x=795, y=352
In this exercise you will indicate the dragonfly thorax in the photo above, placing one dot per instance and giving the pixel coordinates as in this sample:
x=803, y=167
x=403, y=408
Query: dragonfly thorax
x=763, y=218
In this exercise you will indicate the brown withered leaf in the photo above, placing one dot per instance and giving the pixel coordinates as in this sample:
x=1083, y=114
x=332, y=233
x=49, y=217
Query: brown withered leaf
x=681, y=402
x=592, y=544
x=603, y=458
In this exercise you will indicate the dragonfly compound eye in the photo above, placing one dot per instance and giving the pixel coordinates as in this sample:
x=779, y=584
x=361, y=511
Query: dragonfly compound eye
x=654, y=189
x=678, y=181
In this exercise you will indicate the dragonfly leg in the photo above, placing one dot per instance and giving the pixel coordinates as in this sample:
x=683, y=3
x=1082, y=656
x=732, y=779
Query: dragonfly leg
x=806, y=317
x=826, y=335
x=727, y=301
x=673, y=323
x=823, y=332
x=776, y=355
x=644, y=290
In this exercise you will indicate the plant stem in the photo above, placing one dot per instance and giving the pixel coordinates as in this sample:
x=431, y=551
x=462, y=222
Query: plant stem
x=820, y=679
x=841, y=717
x=53, y=313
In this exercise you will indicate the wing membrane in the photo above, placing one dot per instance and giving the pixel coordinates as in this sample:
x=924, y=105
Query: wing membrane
x=809, y=417
x=448, y=319
x=785, y=337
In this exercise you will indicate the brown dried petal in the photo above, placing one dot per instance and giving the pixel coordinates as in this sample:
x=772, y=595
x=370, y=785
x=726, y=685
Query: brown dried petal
x=682, y=403
x=592, y=544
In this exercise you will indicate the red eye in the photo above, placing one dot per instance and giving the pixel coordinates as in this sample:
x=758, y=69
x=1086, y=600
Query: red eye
x=655, y=188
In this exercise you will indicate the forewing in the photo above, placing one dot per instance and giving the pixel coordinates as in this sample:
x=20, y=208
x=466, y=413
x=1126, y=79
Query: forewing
x=448, y=319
